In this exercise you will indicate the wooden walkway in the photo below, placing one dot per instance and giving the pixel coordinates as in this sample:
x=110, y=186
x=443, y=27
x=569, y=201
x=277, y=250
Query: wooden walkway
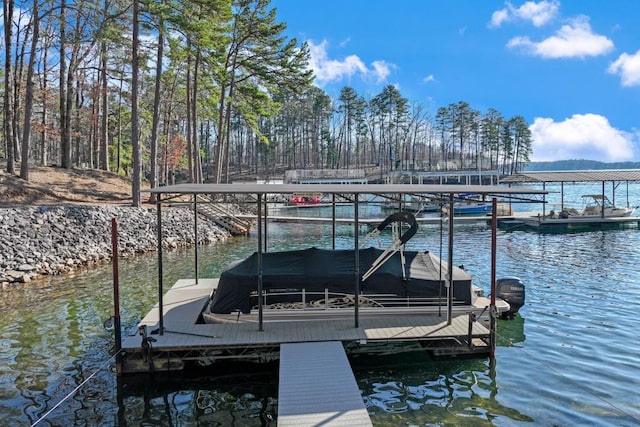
x=185, y=340
x=317, y=387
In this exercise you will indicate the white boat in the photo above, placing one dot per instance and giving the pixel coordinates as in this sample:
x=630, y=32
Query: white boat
x=313, y=283
x=597, y=206
x=598, y=211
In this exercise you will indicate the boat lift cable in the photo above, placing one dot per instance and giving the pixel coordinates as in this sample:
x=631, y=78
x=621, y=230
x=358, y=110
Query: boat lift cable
x=397, y=245
x=575, y=383
x=72, y=392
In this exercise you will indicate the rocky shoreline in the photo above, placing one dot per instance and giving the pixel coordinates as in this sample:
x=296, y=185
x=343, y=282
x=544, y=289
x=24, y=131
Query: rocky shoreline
x=54, y=240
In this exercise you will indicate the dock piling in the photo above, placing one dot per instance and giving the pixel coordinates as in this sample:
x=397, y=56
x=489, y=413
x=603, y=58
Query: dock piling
x=116, y=295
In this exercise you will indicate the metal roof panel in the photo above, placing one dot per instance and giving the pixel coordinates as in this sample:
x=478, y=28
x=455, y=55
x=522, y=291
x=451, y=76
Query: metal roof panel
x=575, y=176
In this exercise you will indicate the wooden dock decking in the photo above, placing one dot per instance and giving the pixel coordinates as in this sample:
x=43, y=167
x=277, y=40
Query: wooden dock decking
x=318, y=388
x=183, y=340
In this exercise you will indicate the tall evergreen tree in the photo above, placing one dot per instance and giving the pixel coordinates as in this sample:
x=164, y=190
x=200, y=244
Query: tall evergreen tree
x=258, y=61
x=135, y=129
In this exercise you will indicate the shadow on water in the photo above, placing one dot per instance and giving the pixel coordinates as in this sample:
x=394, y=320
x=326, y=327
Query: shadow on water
x=402, y=389
x=224, y=394
x=416, y=389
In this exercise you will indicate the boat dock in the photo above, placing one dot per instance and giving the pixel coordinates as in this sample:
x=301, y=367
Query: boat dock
x=431, y=220
x=317, y=338
x=184, y=340
x=578, y=222
x=317, y=387
x=517, y=219
x=316, y=383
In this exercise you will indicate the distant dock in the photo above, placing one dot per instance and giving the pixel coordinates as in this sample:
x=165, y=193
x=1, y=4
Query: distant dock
x=541, y=222
x=432, y=220
x=517, y=219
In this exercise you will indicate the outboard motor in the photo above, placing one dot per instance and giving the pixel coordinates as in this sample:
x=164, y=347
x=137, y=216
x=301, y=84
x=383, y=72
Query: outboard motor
x=510, y=289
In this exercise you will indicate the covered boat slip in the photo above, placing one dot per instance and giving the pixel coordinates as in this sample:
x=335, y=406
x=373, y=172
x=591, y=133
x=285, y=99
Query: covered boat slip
x=355, y=193
x=614, y=177
x=550, y=220
x=174, y=332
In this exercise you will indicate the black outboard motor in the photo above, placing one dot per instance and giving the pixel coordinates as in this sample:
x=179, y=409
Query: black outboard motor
x=510, y=289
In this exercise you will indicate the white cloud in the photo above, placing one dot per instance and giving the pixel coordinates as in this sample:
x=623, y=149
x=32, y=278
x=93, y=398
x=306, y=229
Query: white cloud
x=538, y=13
x=628, y=68
x=429, y=78
x=498, y=17
x=381, y=70
x=329, y=70
x=582, y=136
x=575, y=39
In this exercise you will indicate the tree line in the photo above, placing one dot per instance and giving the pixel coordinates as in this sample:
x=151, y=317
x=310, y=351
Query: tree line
x=208, y=89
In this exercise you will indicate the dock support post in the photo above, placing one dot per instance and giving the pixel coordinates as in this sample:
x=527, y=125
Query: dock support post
x=265, y=232
x=195, y=232
x=116, y=295
x=472, y=319
x=160, y=272
x=356, y=245
x=333, y=221
x=602, y=207
x=492, y=307
x=450, y=264
x=260, y=326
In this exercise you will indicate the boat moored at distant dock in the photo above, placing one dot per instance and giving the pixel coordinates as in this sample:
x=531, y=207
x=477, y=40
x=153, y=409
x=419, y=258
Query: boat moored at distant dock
x=597, y=206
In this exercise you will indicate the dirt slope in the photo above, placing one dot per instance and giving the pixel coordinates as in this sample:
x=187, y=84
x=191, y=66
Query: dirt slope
x=57, y=186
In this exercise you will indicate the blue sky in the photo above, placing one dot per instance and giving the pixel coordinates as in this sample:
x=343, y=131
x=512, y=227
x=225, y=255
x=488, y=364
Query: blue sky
x=570, y=68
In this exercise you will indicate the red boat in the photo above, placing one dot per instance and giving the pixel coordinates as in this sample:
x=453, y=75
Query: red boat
x=304, y=200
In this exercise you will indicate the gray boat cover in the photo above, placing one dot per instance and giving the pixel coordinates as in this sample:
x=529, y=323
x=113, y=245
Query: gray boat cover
x=316, y=269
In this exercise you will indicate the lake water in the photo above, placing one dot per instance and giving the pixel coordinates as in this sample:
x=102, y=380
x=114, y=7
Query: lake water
x=572, y=357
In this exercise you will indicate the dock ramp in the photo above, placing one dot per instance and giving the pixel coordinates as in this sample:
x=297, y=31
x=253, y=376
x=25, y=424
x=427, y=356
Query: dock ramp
x=317, y=387
x=223, y=215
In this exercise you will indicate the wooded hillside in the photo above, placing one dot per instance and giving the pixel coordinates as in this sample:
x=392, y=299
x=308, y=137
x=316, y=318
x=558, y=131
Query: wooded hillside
x=151, y=88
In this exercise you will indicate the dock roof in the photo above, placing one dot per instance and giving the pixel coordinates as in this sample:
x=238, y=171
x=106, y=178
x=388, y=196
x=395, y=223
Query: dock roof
x=574, y=176
x=254, y=188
